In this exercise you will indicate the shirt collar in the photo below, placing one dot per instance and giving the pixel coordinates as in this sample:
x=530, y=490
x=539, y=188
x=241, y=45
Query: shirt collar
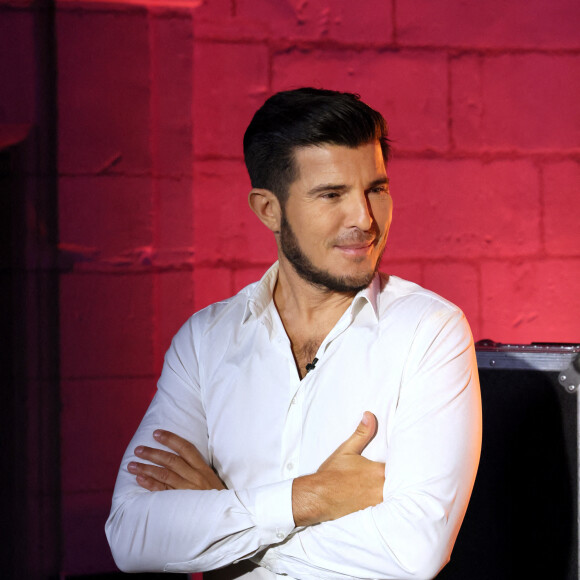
x=369, y=295
x=261, y=296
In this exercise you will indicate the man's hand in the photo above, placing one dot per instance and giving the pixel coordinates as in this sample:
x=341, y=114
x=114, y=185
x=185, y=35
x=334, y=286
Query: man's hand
x=345, y=483
x=184, y=469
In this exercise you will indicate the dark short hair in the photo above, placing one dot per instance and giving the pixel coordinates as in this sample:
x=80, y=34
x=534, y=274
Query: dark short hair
x=300, y=118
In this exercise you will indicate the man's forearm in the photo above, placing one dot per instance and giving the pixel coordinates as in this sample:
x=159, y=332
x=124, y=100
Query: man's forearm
x=250, y=519
x=308, y=500
x=194, y=530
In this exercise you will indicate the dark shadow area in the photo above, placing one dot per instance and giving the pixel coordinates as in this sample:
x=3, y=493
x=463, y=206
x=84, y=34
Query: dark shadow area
x=30, y=434
x=231, y=571
x=29, y=357
x=521, y=521
x=118, y=575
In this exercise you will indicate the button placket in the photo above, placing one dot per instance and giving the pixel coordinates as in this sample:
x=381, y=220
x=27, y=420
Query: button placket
x=292, y=437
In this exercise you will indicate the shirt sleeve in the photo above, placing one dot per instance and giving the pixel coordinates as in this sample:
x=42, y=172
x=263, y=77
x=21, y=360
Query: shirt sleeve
x=430, y=468
x=187, y=530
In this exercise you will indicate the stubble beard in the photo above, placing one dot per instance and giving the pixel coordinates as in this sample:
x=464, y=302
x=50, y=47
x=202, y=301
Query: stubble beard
x=314, y=275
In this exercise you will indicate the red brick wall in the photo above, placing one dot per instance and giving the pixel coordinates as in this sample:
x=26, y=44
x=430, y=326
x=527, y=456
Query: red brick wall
x=482, y=102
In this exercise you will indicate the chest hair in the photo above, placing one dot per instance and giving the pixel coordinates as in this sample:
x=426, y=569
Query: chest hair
x=304, y=352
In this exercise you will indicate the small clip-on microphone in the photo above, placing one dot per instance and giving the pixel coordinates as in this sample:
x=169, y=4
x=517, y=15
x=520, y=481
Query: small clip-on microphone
x=310, y=366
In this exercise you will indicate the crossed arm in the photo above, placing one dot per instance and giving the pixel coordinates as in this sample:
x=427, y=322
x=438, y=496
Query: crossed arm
x=407, y=530
x=346, y=482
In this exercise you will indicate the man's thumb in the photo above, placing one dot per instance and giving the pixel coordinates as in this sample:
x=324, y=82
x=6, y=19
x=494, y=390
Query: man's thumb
x=363, y=434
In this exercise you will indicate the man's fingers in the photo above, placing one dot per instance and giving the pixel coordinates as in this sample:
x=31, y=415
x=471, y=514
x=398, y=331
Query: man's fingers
x=362, y=436
x=164, y=458
x=156, y=478
x=188, y=455
x=181, y=446
x=149, y=483
x=183, y=469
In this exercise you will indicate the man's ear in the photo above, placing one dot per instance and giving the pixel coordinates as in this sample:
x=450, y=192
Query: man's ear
x=267, y=207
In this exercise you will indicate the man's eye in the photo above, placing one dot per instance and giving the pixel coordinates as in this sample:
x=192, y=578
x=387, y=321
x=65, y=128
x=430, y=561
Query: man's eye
x=330, y=195
x=381, y=189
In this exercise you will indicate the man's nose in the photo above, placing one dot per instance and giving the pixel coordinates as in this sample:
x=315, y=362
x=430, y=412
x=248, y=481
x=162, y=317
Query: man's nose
x=359, y=211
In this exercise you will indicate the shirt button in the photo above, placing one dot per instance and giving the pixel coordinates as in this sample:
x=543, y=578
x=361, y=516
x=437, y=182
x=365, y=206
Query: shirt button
x=289, y=466
x=280, y=535
x=293, y=401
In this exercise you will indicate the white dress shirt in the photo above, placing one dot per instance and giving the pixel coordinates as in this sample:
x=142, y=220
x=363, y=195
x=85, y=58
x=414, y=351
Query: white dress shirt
x=230, y=386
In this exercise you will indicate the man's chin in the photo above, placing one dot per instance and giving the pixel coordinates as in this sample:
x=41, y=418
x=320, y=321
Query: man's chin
x=341, y=283
x=354, y=272
x=345, y=275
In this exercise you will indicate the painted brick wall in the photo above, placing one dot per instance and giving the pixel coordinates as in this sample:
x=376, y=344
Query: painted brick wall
x=482, y=103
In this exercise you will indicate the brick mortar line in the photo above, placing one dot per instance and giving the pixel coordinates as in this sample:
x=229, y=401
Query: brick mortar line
x=480, y=295
x=395, y=23
x=129, y=174
x=154, y=135
x=426, y=260
x=483, y=106
x=449, y=104
x=186, y=12
x=112, y=8
x=177, y=10
x=542, y=209
x=137, y=270
x=480, y=260
x=286, y=45
x=451, y=155
x=21, y=8
x=528, y=258
x=488, y=155
x=270, y=71
x=236, y=265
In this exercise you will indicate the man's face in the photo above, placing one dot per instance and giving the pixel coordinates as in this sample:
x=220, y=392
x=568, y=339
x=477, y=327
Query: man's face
x=337, y=215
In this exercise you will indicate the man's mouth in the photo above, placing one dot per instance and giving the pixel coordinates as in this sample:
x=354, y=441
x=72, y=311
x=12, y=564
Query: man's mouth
x=356, y=248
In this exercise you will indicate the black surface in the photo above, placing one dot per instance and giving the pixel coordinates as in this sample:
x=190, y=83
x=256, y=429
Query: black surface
x=521, y=521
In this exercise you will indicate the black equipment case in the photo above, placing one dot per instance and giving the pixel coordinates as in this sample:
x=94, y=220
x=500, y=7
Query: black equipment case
x=522, y=521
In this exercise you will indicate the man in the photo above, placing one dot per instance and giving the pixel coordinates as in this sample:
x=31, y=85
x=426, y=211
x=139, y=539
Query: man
x=250, y=450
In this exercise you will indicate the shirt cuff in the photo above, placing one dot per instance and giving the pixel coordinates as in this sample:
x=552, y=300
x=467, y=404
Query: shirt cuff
x=270, y=507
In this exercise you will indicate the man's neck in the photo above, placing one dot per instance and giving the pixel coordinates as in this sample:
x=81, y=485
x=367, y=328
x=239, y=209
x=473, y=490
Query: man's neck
x=306, y=303
x=308, y=313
